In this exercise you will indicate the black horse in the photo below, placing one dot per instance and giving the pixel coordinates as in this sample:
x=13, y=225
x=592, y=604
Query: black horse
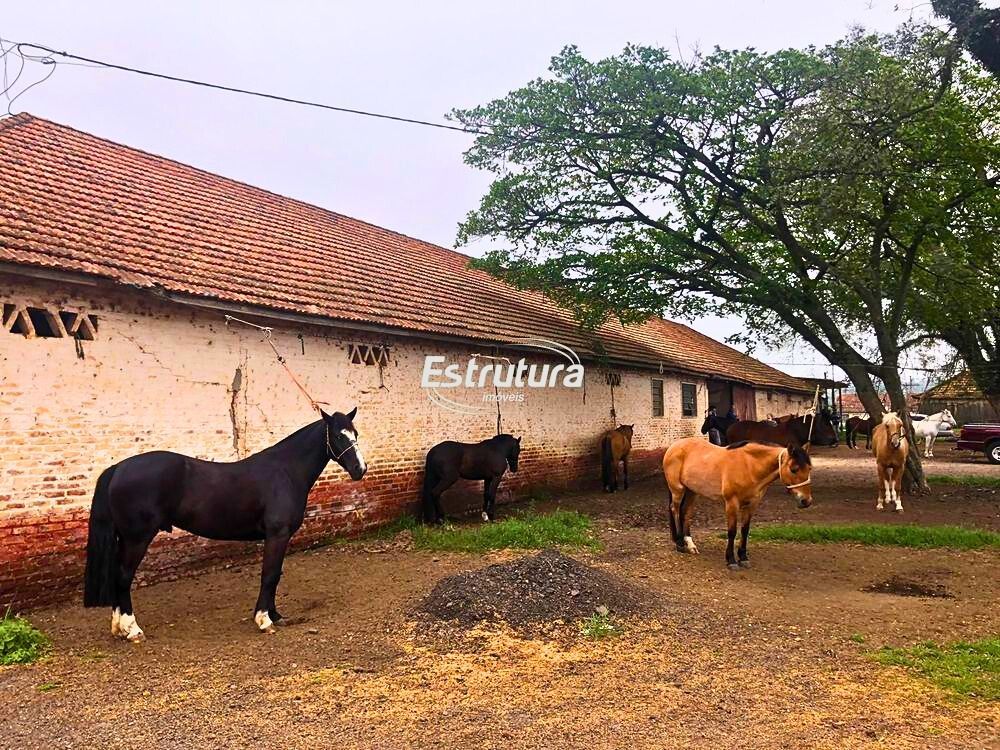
x=720, y=424
x=260, y=497
x=449, y=461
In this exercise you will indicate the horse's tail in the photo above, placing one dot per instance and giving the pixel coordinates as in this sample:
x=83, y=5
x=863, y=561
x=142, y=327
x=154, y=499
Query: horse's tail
x=99, y=579
x=425, y=492
x=607, y=461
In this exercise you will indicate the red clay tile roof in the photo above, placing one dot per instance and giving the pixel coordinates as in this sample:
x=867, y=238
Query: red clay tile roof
x=961, y=387
x=75, y=202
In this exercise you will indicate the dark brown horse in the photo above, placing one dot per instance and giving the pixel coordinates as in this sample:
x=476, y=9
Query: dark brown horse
x=263, y=497
x=449, y=461
x=860, y=426
x=616, y=444
x=796, y=430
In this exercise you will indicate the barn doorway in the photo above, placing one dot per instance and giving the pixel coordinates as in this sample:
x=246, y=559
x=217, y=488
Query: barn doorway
x=722, y=394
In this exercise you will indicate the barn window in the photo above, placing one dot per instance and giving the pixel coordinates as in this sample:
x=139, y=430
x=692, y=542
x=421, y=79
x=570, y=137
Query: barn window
x=656, y=386
x=770, y=395
x=368, y=354
x=689, y=400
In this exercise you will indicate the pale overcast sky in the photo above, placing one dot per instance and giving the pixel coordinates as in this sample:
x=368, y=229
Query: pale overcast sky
x=413, y=59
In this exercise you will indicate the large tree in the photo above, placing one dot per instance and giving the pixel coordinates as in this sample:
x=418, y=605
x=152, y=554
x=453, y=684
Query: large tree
x=801, y=190
x=976, y=27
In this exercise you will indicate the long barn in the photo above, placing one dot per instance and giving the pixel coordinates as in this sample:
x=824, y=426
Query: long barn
x=117, y=269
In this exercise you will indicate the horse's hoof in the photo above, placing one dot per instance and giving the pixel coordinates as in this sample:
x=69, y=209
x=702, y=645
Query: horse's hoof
x=744, y=563
x=733, y=566
x=486, y=518
x=136, y=637
x=898, y=510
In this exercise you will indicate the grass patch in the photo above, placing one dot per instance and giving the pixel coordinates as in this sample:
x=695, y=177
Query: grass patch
x=964, y=480
x=920, y=537
x=48, y=687
x=600, y=625
x=561, y=528
x=20, y=641
x=969, y=669
x=856, y=638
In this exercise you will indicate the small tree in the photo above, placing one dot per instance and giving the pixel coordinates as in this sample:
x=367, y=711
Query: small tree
x=801, y=189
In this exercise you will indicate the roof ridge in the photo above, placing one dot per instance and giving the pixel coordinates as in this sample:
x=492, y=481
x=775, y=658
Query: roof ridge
x=17, y=119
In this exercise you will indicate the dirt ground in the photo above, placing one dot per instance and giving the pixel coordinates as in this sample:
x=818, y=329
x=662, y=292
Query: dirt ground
x=757, y=658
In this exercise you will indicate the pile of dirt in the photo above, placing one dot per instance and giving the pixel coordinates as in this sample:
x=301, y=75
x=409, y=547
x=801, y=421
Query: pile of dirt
x=903, y=586
x=545, y=589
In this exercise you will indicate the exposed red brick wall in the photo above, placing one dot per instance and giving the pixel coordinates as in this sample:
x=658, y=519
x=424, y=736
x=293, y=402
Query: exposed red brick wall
x=161, y=376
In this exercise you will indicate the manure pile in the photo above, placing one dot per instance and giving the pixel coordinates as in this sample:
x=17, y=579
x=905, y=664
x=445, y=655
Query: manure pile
x=535, y=590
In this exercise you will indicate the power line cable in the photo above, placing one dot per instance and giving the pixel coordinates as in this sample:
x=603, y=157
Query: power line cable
x=21, y=46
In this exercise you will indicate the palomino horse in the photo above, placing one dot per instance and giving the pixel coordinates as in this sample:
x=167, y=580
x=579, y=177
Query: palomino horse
x=738, y=475
x=449, y=461
x=616, y=444
x=928, y=429
x=789, y=429
x=860, y=426
x=261, y=497
x=891, y=448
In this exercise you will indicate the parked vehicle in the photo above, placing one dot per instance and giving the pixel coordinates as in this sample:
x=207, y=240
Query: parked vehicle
x=981, y=437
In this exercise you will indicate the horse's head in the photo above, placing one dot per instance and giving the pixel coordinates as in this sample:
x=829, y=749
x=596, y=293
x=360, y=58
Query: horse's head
x=946, y=416
x=513, y=451
x=627, y=430
x=342, y=443
x=795, y=472
x=895, y=430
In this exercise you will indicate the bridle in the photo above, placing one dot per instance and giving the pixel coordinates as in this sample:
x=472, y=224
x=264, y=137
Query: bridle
x=329, y=447
x=784, y=454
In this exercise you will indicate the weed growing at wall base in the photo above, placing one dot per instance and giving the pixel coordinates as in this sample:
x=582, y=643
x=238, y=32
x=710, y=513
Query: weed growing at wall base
x=964, y=480
x=561, y=528
x=20, y=642
x=920, y=537
x=969, y=669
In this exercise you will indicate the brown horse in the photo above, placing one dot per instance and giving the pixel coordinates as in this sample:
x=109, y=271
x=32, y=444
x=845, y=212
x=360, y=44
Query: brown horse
x=789, y=429
x=891, y=450
x=738, y=475
x=615, y=446
x=860, y=426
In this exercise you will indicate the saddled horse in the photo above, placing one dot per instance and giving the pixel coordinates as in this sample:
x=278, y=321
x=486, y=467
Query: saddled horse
x=928, y=429
x=261, y=497
x=738, y=476
x=449, y=461
x=891, y=450
x=794, y=430
x=616, y=444
x=720, y=425
x=860, y=426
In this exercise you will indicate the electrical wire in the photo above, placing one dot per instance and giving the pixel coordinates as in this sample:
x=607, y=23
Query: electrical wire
x=91, y=62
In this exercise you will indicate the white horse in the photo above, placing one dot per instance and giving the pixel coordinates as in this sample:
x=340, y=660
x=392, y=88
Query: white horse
x=928, y=429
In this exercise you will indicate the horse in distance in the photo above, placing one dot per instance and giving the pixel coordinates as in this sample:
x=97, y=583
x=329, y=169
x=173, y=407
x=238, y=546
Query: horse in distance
x=794, y=429
x=716, y=427
x=928, y=429
x=738, y=476
x=261, y=497
x=891, y=450
x=616, y=445
x=860, y=426
x=450, y=461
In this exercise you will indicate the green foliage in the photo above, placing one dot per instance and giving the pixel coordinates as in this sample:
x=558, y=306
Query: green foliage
x=857, y=638
x=969, y=669
x=805, y=190
x=20, y=642
x=966, y=480
x=920, y=537
x=561, y=528
x=600, y=625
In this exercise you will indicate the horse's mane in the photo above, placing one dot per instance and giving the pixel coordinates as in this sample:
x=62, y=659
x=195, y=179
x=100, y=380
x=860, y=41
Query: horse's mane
x=890, y=417
x=795, y=452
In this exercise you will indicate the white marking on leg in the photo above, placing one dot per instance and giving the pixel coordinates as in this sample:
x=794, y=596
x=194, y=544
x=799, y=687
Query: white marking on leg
x=263, y=620
x=129, y=628
x=689, y=545
x=116, y=616
x=486, y=516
